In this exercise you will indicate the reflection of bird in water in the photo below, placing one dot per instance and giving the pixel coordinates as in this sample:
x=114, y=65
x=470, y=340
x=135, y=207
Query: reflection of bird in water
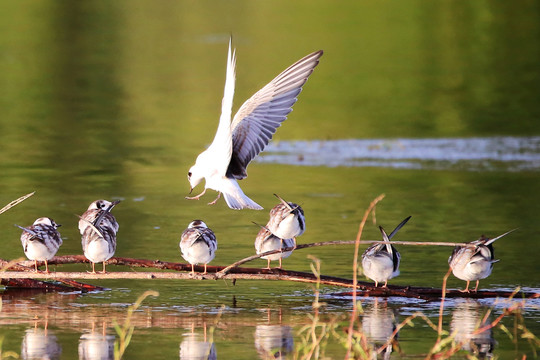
x=96, y=346
x=380, y=262
x=467, y=317
x=197, y=347
x=379, y=323
x=273, y=341
x=474, y=262
x=266, y=241
x=40, y=344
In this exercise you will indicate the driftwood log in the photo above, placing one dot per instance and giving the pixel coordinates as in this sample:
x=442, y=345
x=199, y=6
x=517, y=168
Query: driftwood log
x=24, y=276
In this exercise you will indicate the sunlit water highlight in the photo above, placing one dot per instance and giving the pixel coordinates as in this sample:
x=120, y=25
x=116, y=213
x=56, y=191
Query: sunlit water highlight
x=470, y=154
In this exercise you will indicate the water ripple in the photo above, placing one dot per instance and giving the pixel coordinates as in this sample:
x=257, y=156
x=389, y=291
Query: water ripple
x=470, y=154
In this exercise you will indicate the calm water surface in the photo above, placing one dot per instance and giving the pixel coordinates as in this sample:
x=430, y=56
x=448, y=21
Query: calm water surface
x=433, y=104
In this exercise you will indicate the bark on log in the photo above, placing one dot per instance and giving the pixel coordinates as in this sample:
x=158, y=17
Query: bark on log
x=30, y=283
x=242, y=273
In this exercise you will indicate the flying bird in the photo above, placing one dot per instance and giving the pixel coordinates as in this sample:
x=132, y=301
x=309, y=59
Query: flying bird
x=474, y=261
x=381, y=261
x=198, y=244
x=236, y=143
x=41, y=240
x=98, y=228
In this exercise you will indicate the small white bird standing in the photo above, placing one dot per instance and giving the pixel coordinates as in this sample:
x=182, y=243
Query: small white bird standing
x=41, y=241
x=474, y=261
x=380, y=262
x=266, y=241
x=287, y=220
x=236, y=143
x=98, y=228
x=198, y=244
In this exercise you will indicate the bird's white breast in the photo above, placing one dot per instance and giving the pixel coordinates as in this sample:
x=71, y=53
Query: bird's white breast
x=36, y=250
x=198, y=253
x=98, y=250
x=379, y=267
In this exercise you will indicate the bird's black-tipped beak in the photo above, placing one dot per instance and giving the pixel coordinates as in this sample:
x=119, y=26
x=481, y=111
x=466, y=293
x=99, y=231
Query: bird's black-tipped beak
x=113, y=204
x=58, y=225
x=190, y=191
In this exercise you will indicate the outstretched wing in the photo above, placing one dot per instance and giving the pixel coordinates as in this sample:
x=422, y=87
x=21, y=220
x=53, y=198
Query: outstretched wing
x=259, y=117
x=221, y=148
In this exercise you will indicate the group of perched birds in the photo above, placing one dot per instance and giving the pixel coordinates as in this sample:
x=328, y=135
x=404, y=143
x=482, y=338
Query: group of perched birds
x=198, y=243
x=237, y=142
x=471, y=262
x=98, y=228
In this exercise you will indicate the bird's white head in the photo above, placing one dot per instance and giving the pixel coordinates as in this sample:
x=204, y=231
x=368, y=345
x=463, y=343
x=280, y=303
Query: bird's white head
x=197, y=223
x=103, y=205
x=46, y=221
x=194, y=177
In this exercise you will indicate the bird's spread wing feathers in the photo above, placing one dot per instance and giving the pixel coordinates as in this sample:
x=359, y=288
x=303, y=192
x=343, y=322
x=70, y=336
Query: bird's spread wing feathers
x=259, y=117
x=221, y=148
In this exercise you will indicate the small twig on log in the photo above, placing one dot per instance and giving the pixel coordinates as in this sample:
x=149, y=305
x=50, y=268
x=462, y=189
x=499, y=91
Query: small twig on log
x=256, y=256
x=335, y=242
x=15, y=202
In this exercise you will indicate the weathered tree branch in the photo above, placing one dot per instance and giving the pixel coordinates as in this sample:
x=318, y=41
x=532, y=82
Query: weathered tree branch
x=15, y=202
x=29, y=282
x=237, y=273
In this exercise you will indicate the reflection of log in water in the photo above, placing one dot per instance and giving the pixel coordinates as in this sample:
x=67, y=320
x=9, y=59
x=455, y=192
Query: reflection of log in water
x=467, y=317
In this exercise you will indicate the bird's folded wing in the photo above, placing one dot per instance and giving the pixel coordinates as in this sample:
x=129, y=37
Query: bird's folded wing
x=258, y=118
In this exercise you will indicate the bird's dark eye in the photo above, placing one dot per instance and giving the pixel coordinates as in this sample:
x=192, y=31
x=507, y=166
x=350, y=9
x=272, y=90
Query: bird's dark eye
x=189, y=174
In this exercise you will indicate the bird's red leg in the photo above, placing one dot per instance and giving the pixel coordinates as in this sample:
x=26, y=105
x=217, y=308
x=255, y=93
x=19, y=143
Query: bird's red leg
x=215, y=201
x=196, y=197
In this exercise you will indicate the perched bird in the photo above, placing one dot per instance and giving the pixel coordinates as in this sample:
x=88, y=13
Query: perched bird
x=41, y=240
x=474, y=261
x=198, y=244
x=381, y=261
x=236, y=143
x=267, y=241
x=98, y=229
x=287, y=220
